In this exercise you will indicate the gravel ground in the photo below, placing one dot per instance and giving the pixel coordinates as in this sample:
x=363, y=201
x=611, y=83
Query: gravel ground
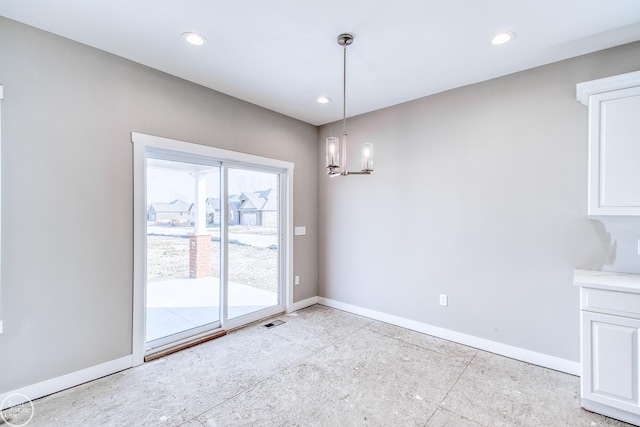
x=168, y=258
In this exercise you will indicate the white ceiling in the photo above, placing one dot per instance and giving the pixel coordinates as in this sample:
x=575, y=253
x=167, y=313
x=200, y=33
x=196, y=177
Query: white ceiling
x=283, y=55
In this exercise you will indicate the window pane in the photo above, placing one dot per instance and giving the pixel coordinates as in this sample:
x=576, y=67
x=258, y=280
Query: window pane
x=183, y=247
x=253, y=241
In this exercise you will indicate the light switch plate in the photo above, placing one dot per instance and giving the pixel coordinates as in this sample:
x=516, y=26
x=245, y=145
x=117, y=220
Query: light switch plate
x=300, y=231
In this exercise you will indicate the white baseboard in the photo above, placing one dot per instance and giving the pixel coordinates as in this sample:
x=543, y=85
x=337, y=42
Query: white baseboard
x=518, y=353
x=63, y=382
x=303, y=304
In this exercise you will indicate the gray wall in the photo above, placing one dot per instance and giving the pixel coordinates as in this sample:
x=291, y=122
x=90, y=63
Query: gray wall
x=67, y=192
x=479, y=193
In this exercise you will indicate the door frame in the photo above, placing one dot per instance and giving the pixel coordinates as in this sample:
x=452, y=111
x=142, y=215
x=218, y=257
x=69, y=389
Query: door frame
x=143, y=142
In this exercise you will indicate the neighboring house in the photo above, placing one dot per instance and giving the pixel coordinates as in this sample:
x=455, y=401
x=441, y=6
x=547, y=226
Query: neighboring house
x=258, y=208
x=235, y=201
x=213, y=211
x=172, y=213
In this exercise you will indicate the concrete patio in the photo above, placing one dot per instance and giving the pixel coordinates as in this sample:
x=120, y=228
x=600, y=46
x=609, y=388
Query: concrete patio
x=177, y=305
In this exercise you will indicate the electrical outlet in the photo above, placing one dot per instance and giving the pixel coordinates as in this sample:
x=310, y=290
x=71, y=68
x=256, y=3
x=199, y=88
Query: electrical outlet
x=444, y=300
x=297, y=280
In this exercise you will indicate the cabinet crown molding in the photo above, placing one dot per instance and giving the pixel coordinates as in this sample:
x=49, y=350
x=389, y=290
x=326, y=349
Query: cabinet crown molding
x=607, y=84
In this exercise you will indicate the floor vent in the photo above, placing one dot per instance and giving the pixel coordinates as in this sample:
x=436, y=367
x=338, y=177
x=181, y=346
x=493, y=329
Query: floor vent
x=273, y=324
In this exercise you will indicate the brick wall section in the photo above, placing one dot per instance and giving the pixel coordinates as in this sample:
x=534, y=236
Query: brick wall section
x=199, y=256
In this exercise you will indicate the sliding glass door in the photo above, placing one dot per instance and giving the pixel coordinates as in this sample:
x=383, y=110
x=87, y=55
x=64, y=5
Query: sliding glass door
x=213, y=245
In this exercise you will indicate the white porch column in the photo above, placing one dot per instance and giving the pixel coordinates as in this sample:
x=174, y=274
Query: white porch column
x=200, y=220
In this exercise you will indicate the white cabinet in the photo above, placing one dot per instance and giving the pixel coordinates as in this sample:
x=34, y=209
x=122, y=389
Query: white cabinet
x=610, y=353
x=612, y=357
x=614, y=143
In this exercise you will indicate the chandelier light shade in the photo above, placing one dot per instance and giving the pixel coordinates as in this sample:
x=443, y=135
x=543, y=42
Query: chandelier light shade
x=336, y=148
x=333, y=153
x=367, y=157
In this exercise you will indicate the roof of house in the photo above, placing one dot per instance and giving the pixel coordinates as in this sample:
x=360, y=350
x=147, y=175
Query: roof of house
x=265, y=200
x=175, y=206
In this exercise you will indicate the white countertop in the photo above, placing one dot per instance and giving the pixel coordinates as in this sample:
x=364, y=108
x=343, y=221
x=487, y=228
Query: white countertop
x=622, y=282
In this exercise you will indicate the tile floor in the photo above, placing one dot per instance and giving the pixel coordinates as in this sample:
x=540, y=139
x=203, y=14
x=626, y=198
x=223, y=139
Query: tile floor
x=325, y=367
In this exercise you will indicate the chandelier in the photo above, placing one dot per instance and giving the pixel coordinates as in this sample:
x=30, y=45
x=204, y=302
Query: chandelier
x=337, y=147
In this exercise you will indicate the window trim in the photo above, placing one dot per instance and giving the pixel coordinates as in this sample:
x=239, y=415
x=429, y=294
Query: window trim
x=143, y=143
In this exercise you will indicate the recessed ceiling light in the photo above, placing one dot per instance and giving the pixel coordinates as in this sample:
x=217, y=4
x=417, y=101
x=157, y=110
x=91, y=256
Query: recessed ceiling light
x=324, y=99
x=503, y=38
x=194, y=38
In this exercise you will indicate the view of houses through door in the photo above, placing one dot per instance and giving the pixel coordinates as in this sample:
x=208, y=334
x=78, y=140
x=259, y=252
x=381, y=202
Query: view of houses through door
x=213, y=245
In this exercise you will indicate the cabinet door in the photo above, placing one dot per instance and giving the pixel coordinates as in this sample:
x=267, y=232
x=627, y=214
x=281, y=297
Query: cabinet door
x=614, y=163
x=610, y=361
